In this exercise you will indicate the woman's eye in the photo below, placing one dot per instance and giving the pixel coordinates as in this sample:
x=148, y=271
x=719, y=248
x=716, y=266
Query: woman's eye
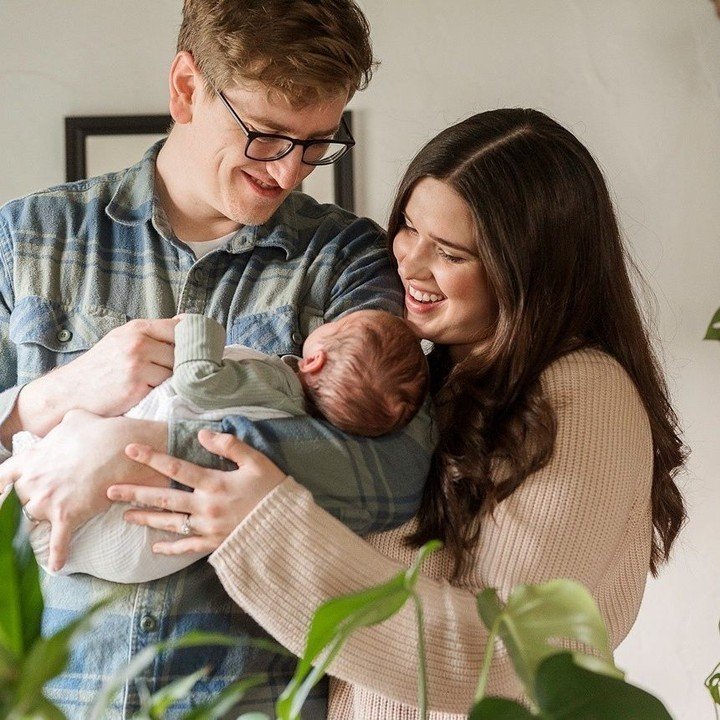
x=450, y=258
x=405, y=224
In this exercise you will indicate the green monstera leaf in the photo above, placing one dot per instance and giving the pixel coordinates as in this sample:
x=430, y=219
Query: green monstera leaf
x=536, y=620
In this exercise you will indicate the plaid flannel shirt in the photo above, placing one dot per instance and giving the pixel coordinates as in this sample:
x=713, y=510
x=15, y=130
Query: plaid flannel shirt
x=78, y=260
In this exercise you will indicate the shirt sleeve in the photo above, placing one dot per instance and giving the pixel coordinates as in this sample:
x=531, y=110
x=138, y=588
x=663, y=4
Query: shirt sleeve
x=584, y=516
x=9, y=389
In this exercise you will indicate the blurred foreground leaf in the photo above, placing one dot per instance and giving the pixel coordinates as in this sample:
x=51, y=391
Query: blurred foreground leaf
x=335, y=620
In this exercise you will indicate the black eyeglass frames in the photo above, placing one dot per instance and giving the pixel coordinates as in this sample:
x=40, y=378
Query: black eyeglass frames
x=270, y=146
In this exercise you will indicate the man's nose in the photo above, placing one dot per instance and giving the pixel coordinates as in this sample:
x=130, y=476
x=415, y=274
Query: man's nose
x=288, y=171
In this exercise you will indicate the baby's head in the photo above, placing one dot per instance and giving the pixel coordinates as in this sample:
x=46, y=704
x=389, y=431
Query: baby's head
x=365, y=373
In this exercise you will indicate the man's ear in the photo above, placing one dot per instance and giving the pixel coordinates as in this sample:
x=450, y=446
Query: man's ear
x=184, y=78
x=313, y=363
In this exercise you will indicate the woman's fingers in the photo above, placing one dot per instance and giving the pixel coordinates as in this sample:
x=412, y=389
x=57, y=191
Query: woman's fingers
x=227, y=446
x=184, y=472
x=177, y=501
x=169, y=521
x=195, y=544
x=173, y=522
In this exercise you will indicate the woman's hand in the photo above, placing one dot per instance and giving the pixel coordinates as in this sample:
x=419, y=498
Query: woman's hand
x=220, y=501
x=63, y=479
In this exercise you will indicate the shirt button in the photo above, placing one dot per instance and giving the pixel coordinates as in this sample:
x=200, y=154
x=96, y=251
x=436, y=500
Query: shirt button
x=148, y=623
x=297, y=338
x=64, y=335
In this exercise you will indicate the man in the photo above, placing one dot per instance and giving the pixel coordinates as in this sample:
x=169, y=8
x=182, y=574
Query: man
x=207, y=223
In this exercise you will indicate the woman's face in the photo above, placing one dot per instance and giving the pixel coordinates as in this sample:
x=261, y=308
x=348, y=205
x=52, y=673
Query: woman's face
x=447, y=297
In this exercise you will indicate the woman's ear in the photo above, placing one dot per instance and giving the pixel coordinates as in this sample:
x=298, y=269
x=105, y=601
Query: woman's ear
x=183, y=79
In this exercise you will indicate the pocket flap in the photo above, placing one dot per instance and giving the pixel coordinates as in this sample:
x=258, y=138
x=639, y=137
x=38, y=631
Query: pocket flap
x=35, y=320
x=274, y=332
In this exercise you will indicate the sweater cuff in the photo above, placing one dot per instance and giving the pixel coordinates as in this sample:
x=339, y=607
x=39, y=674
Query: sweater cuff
x=199, y=338
x=281, y=502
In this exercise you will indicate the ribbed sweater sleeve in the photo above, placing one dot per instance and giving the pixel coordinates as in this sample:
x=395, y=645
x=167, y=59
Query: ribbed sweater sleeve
x=584, y=516
x=208, y=379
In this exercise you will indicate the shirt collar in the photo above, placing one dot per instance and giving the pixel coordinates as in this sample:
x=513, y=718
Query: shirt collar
x=133, y=200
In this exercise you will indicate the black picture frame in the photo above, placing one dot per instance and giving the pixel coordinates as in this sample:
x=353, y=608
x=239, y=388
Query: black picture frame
x=345, y=173
x=79, y=127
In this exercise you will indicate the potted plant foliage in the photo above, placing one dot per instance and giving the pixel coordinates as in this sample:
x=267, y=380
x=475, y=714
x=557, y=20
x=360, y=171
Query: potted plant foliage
x=558, y=684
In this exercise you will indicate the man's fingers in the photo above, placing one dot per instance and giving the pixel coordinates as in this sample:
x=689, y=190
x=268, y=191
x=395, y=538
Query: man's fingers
x=156, y=374
x=184, y=472
x=177, y=501
x=162, y=329
x=60, y=534
x=9, y=473
x=160, y=354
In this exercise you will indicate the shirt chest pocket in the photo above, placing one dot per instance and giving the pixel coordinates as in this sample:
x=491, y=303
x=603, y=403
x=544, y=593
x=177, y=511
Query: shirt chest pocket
x=47, y=334
x=276, y=332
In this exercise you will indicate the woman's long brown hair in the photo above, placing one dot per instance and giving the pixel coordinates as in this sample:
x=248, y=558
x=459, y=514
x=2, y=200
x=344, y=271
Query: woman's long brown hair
x=549, y=241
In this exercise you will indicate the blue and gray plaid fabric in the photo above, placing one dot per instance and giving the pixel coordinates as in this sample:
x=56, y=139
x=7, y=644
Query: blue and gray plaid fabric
x=78, y=260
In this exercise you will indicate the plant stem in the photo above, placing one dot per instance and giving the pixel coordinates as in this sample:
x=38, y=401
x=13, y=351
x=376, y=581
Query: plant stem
x=422, y=669
x=485, y=670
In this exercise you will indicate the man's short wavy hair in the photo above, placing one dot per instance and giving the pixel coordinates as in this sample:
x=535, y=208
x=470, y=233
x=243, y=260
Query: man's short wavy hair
x=305, y=50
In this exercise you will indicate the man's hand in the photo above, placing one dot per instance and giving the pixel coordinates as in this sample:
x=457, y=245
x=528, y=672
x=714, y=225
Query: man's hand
x=107, y=380
x=64, y=478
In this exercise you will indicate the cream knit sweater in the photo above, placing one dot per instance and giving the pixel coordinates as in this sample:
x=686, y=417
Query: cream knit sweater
x=585, y=516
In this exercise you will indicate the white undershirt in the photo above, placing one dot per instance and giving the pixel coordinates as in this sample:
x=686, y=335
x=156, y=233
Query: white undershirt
x=205, y=246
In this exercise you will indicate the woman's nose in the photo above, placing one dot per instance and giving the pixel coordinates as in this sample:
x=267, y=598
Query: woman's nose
x=413, y=262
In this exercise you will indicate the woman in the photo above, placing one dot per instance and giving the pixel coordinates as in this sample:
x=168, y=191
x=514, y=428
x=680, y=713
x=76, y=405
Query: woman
x=557, y=448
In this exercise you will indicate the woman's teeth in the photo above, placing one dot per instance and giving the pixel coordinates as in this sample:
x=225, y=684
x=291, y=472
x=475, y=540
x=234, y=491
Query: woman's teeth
x=423, y=296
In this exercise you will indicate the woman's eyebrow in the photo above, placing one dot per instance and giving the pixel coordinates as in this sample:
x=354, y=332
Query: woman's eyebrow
x=441, y=240
x=450, y=244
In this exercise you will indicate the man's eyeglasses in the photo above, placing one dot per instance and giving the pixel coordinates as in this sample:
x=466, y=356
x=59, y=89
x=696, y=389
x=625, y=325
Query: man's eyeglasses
x=269, y=146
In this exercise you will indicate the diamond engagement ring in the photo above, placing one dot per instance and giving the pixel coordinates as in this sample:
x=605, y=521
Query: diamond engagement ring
x=28, y=515
x=185, y=527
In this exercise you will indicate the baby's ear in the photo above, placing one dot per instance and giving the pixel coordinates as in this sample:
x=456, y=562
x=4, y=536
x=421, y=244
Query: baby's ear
x=313, y=363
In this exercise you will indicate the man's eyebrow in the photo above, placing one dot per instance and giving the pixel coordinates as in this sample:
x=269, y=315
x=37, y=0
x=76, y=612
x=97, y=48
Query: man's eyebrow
x=272, y=128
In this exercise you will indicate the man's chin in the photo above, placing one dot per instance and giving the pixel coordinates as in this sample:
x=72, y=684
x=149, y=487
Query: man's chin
x=255, y=216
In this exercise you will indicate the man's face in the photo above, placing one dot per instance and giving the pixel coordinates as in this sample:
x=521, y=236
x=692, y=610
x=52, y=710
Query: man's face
x=228, y=183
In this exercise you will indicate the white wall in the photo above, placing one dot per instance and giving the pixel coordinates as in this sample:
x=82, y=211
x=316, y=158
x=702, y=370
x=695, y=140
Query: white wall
x=637, y=81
